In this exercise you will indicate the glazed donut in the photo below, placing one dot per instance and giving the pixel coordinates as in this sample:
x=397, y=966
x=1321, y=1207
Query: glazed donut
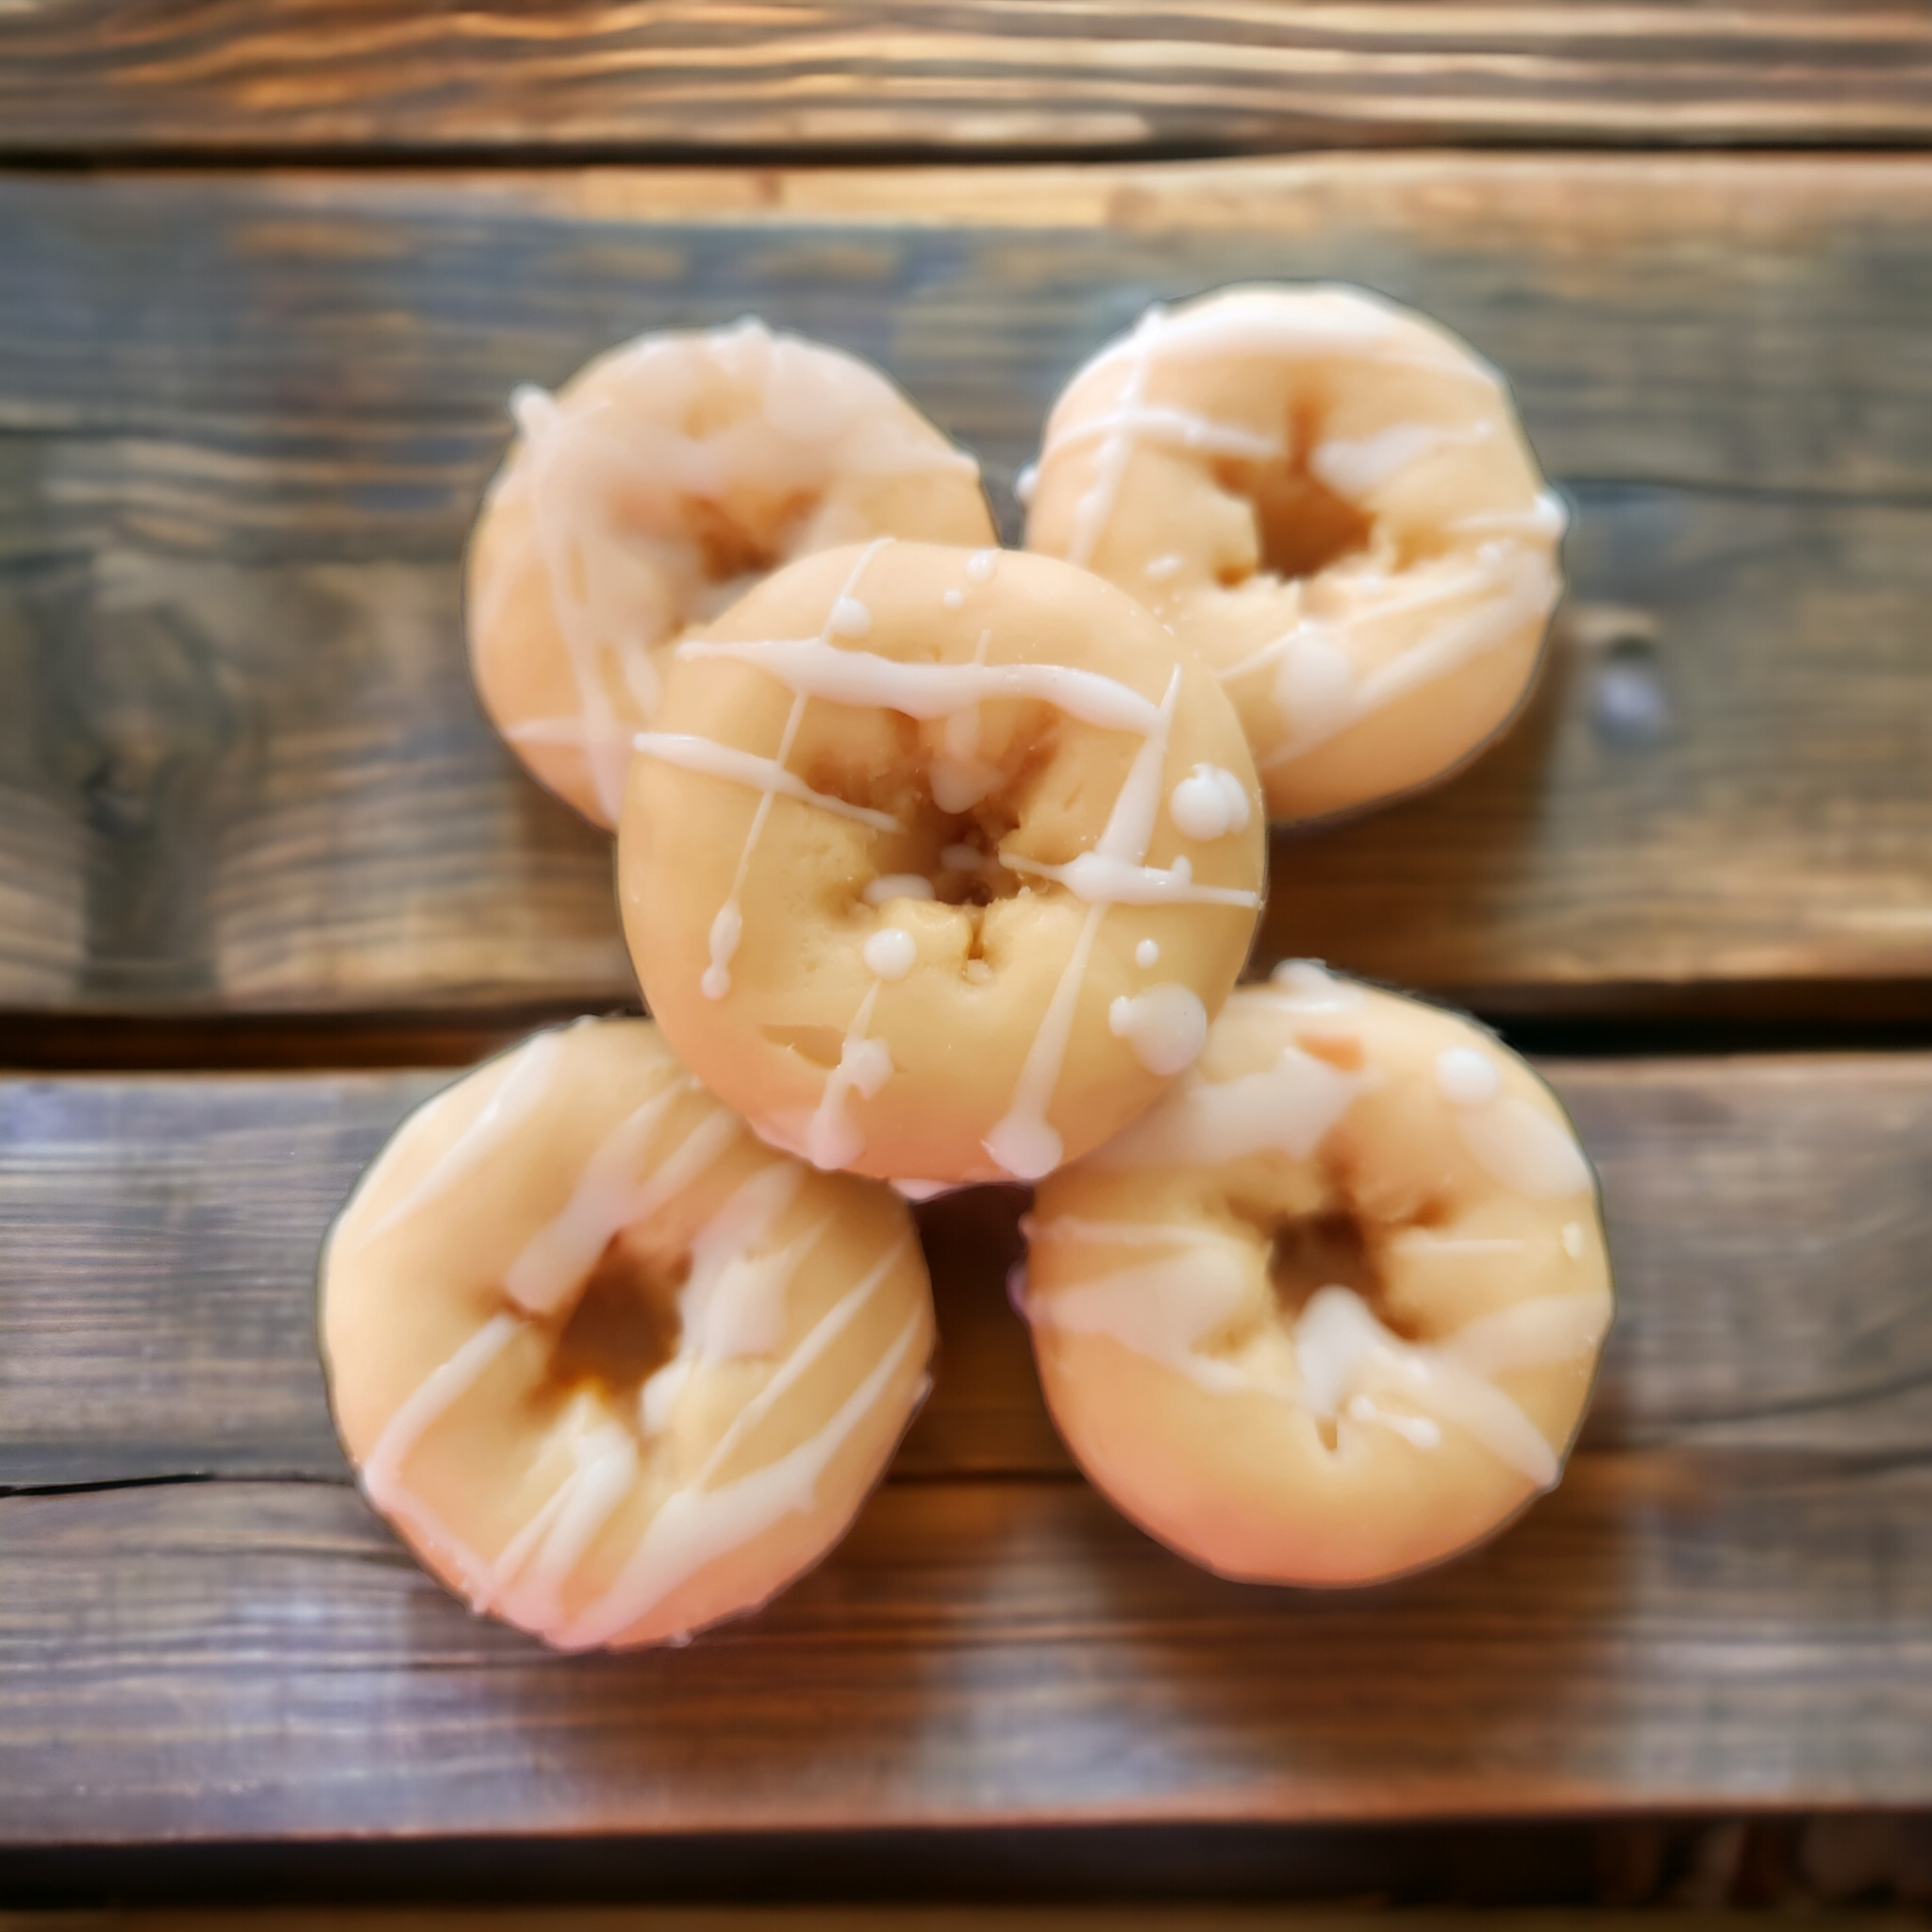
x=1331, y=500
x=868, y=858
x=1330, y=1311
x=613, y=1368
x=663, y=481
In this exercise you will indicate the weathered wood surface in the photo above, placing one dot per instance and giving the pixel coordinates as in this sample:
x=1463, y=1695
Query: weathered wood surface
x=1728, y=1604
x=157, y=1239
x=243, y=423
x=355, y=76
x=239, y=1660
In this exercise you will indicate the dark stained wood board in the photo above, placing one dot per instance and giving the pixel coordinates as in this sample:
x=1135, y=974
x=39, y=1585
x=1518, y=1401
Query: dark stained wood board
x=158, y=1241
x=243, y=423
x=352, y=77
x=242, y=1660
x=1725, y=1604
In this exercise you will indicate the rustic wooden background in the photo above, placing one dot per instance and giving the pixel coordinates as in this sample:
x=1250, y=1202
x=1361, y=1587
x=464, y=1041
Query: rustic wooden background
x=267, y=274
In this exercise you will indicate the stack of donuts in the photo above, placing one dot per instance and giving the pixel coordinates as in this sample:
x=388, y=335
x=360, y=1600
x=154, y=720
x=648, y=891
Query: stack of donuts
x=939, y=864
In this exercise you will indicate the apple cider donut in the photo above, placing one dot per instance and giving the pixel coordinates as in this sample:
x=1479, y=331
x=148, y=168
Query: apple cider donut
x=1331, y=1309
x=612, y=1367
x=1331, y=500
x=661, y=481
x=939, y=861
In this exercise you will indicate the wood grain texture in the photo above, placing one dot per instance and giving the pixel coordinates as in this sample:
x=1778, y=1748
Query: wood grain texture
x=1768, y=1221
x=249, y=1660
x=243, y=423
x=1726, y=1604
x=982, y=77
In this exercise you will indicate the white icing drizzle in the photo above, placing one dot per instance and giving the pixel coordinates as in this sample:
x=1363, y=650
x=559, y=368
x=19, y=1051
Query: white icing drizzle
x=1209, y=803
x=1163, y=424
x=527, y=1079
x=1467, y=1075
x=698, y=753
x=698, y=1523
x=925, y=1190
x=1288, y=1107
x=832, y=1139
x=1166, y=1026
x=1025, y=478
x=603, y=472
x=1521, y=1147
x=953, y=598
x=1316, y=685
x=958, y=776
x=565, y=464
x=891, y=953
x=1022, y=1141
x=1117, y=442
x=608, y=1197
x=1419, y=1431
x=1114, y=872
x=1102, y=879
x=732, y=1305
x=1355, y=469
x=897, y=884
x=438, y=1392
x=1306, y=985
x=1522, y=586
x=1147, y=955
x=526, y=1579
x=817, y=668
x=1160, y=568
x=1573, y=1239
x=727, y=925
x=981, y=565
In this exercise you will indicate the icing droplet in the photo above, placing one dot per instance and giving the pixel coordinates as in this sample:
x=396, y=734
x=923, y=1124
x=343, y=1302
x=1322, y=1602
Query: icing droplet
x=1466, y=1077
x=1209, y=803
x=1147, y=953
x=923, y=1191
x=1166, y=1026
x=1026, y=1146
x=961, y=858
x=1162, y=568
x=1573, y=1239
x=897, y=884
x=891, y=953
x=727, y=930
x=1023, y=482
x=954, y=598
x=850, y=619
x=980, y=565
x=1309, y=984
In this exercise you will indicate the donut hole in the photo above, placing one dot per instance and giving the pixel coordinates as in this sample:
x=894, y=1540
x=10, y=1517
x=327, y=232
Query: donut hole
x=624, y=1326
x=1301, y=525
x=746, y=537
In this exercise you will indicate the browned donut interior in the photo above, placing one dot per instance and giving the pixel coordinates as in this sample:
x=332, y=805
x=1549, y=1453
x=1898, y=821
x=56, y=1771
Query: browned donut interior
x=1301, y=525
x=625, y=1325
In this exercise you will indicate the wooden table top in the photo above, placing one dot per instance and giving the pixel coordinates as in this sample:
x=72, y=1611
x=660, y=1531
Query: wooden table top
x=267, y=276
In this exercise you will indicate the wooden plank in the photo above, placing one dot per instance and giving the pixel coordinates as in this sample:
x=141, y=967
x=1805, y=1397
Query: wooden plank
x=246, y=1660
x=1768, y=1220
x=91, y=76
x=243, y=423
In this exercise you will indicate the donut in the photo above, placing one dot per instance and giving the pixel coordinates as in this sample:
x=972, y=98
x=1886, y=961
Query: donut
x=613, y=1368
x=1330, y=1311
x=1331, y=500
x=666, y=477
x=938, y=861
